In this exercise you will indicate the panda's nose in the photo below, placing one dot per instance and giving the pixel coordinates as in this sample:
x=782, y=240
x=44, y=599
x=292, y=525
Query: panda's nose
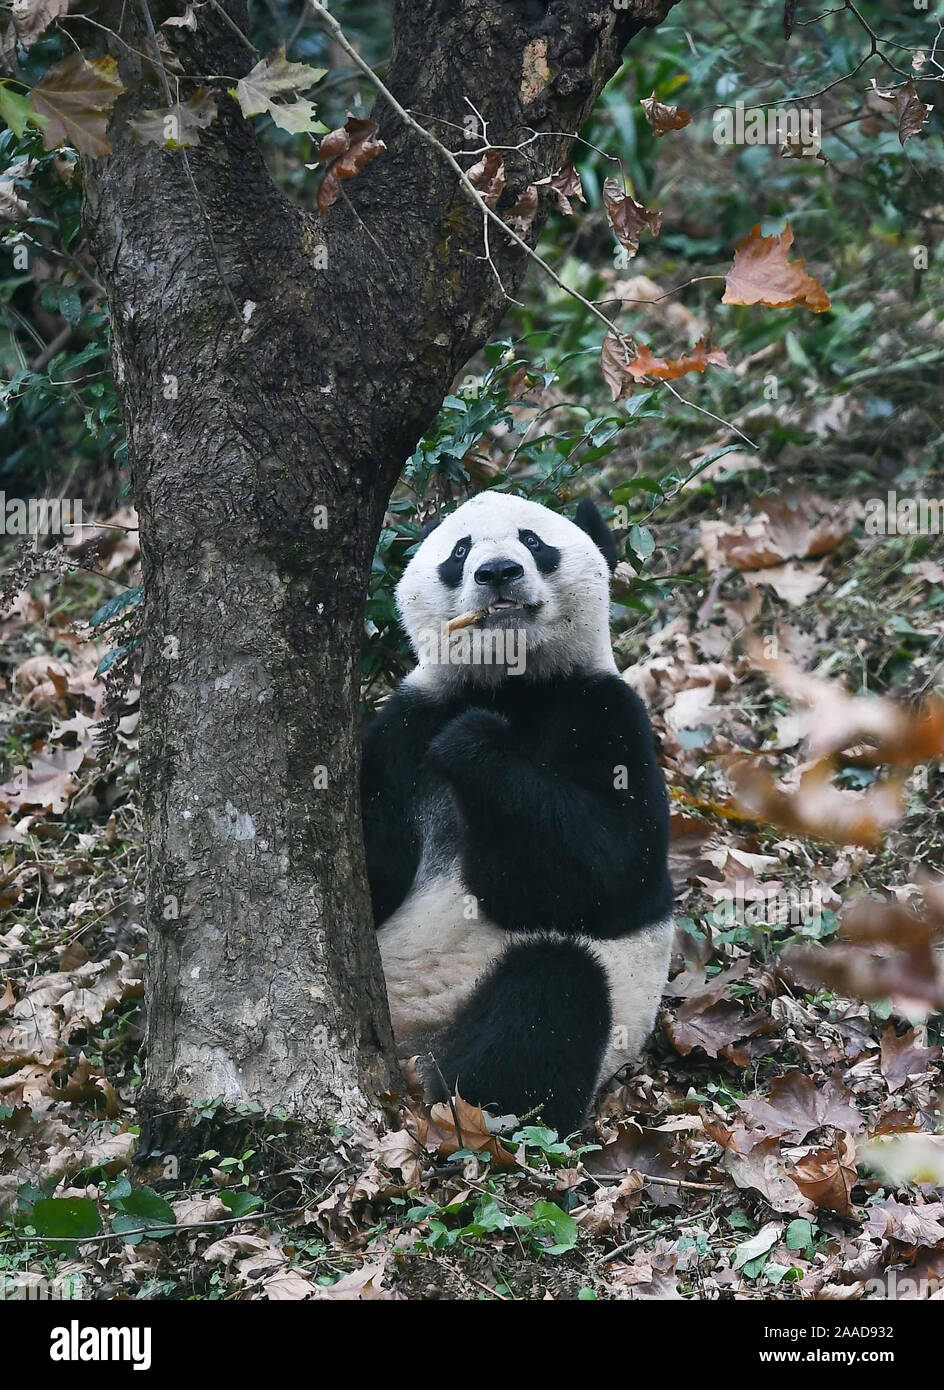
x=498, y=571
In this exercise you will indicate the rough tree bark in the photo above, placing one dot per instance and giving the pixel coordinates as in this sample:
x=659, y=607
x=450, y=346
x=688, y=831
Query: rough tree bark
x=249, y=406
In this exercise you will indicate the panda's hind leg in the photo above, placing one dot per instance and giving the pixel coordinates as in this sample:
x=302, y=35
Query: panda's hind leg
x=533, y=1033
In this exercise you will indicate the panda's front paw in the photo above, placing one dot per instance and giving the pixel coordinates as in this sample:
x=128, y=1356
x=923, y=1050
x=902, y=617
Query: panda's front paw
x=466, y=737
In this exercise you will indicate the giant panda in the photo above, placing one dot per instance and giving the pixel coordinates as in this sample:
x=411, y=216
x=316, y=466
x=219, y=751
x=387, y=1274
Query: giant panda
x=516, y=819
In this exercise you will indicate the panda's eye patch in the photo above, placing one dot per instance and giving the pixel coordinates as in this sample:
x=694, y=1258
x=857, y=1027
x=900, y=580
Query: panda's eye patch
x=450, y=571
x=546, y=557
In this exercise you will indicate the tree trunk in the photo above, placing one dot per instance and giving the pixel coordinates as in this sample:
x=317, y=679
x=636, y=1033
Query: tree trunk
x=269, y=403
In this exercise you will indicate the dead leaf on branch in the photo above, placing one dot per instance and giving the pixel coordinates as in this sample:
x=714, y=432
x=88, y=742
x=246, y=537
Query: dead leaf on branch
x=565, y=184
x=521, y=216
x=177, y=125
x=76, y=97
x=761, y=274
x=628, y=218
x=487, y=177
x=911, y=111
x=345, y=152
x=662, y=117
x=275, y=76
x=622, y=371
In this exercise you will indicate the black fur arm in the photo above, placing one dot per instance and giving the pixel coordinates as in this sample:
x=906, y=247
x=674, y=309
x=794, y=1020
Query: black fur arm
x=390, y=759
x=572, y=833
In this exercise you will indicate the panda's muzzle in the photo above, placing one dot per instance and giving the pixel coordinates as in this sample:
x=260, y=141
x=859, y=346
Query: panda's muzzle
x=498, y=571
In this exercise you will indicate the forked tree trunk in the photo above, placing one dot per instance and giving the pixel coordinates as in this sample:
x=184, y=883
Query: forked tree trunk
x=269, y=403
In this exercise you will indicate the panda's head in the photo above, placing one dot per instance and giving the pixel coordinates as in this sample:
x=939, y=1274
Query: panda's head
x=538, y=583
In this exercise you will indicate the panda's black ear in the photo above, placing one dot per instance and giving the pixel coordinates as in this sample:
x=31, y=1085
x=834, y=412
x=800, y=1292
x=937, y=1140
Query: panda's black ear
x=429, y=527
x=588, y=518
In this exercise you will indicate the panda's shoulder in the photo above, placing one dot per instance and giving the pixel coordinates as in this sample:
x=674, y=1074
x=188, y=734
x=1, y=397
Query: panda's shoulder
x=607, y=700
x=410, y=715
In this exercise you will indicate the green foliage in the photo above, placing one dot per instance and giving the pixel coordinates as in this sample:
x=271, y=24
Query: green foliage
x=141, y=1213
x=548, y=1229
x=61, y=1218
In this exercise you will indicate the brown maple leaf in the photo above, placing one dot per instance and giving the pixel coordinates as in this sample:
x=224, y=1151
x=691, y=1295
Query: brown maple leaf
x=827, y=1176
x=905, y=1057
x=75, y=99
x=475, y=1133
x=796, y=1107
x=761, y=274
x=177, y=125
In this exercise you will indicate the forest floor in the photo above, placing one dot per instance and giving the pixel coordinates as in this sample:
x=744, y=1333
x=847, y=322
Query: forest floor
x=782, y=1138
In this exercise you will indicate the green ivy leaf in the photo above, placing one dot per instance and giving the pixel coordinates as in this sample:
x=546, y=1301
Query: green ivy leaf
x=561, y=1226
x=74, y=1218
x=143, y=1213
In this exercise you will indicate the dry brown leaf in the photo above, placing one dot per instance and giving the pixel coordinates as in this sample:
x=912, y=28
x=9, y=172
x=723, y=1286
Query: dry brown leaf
x=76, y=97
x=837, y=720
x=345, y=152
x=796, y=1107
x=33, y=17
x=906, y=1058
x=521, y=216
x=763, y=1170
x=487, y=177
x=912, y=979
x=911, y=111
x=622, y=371
x=402, y=1151
x=794, y=583
x=176, y=126
x=628, y=218
x=663, y=118
x=475, y=1133
x=816, y=807
x=827, y=1176
x=910, y=1225
x=565, y=184
x=761, y=274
